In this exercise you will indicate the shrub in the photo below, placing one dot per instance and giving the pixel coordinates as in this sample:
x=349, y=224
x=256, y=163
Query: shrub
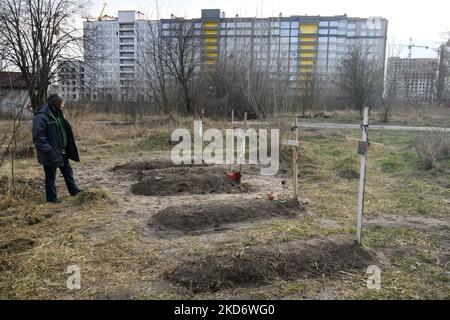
x=430, y=148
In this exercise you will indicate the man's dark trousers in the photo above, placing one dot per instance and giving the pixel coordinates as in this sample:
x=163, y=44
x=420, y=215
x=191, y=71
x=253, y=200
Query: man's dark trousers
x=50, y=178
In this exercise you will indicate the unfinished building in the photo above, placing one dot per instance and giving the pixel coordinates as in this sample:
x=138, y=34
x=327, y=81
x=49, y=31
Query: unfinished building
x=411, y=80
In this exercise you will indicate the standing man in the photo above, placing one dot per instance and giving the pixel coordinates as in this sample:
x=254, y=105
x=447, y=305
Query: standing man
x=55, y=145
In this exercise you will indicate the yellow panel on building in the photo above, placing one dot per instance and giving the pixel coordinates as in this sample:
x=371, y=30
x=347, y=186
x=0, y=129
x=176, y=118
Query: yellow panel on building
x=307, y=62
x=308, y=39
x=307, y=54
x=210, y=55
x=210, y=62
x=210, y=24
x=209, y=47
x=308, y=47
x=211, y=32
x=308, y=28
x=210, y=40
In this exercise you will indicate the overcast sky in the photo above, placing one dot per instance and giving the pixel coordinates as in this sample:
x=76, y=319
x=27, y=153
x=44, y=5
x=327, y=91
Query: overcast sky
x=424, y=21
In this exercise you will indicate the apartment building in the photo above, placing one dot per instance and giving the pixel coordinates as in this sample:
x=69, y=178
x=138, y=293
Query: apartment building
x=294, y=48
x=71, y=80
x=411, y=79
x=112, y=56
x=300, y=47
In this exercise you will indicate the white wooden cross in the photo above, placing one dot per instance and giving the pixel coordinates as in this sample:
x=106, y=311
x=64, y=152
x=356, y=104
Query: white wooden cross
x=295, y=144
x=362, y=151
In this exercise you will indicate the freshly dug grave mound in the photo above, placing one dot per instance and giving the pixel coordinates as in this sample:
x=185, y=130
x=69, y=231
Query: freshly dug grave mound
x=200, y=219
x=181, y=181
x=263, y=265
x=150, y=165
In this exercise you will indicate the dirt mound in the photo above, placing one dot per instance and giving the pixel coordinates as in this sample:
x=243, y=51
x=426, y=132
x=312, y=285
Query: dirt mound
x=181, y=181
x=149, y=165
x=203, y=219
x=263, y=265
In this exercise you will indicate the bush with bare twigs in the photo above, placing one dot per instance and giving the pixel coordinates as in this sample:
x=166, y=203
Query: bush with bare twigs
x=430, y=148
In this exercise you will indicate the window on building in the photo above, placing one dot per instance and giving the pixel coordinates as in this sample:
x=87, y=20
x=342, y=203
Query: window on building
x=285, y=33
x=323, y=24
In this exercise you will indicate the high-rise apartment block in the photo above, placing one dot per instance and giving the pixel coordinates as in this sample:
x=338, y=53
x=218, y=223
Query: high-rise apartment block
x=411, y=79
x=295, y=48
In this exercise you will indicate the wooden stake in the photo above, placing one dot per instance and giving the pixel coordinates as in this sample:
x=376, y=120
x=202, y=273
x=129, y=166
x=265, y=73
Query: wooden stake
x=295, y=162
x=243, y=144
x=232, y=118
x=202, y=131
x=362, y=179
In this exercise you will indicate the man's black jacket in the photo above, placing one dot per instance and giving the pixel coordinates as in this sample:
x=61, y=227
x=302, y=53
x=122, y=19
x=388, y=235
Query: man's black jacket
x=47, y=139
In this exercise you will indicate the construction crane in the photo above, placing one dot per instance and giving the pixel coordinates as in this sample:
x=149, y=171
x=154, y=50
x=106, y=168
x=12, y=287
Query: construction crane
x=100, y=17
x=101, y=13
x=412, y=45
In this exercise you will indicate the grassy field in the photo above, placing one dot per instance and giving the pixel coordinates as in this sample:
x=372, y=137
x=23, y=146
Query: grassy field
x=106, y=230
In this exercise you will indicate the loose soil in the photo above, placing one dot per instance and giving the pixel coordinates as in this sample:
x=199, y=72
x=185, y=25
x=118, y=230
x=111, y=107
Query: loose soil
x=262, y=265
x=182, y=181
x=216, y=216
x=148, y=165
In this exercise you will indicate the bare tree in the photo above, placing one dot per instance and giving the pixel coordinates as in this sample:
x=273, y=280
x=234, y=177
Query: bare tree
x=181, y=56
x=36, y=34
x=361, y=78
x=308, y=91
x=152, y=64
x=443, y=72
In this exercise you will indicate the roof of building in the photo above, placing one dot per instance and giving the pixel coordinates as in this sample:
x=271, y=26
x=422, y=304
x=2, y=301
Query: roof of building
x=12, y=80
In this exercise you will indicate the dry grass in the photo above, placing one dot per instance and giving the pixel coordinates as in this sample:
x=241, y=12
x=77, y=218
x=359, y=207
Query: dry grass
x=90, y=196
x=98, y=231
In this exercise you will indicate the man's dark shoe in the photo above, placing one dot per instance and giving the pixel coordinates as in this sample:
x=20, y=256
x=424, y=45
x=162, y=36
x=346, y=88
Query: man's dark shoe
x=55, y=201
x=76, y=193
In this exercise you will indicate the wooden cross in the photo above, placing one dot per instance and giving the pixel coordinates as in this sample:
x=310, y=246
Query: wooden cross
x=363, y=147
x=242, y=151
x=295, y=144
